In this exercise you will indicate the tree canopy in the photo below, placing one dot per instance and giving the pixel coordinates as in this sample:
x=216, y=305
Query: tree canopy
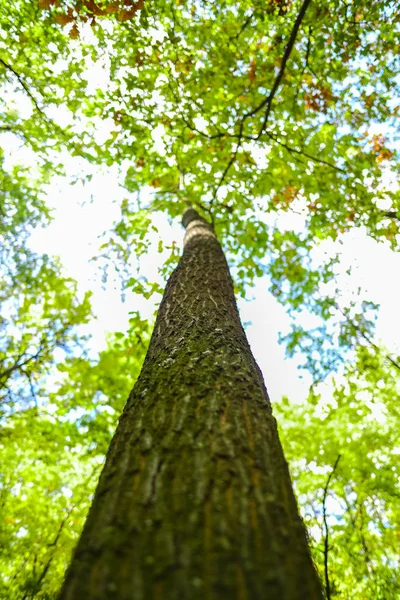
x=278, y=122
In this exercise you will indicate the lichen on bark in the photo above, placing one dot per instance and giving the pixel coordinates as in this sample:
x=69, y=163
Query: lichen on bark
x=195, y=500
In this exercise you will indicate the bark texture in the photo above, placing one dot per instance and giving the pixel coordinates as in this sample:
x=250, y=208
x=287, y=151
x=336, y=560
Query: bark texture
x=195, y=500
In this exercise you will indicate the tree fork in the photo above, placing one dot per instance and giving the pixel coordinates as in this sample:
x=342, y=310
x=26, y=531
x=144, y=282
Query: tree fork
x=195, y=500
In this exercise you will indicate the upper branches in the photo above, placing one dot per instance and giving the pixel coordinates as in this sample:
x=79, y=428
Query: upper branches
x=23, y=84
x=267, y=102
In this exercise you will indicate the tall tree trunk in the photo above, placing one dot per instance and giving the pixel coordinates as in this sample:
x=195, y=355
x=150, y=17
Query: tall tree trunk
x=195, y=499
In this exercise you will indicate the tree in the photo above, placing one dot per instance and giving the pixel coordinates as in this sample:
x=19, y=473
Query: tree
x=341, y=447
x=40, y=309
x=195, y=498
x=279, y=121
x=50, y=458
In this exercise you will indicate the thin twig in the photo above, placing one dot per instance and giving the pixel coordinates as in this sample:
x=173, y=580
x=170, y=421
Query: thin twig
x=376, y=347
x=369, y=340
x=22, y=82
x=391, y=214
x=308, y=51
x=225, y=173
x=326, y=541
x=310, y=156
x=17, y=366
x=245, y=24
x=267, y=102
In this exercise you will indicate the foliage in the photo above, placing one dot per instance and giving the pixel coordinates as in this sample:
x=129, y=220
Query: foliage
x=45, y=491
x=51, y=457
x=352, y=510
x=87, y=10
x=39, y=308
x=42, y=484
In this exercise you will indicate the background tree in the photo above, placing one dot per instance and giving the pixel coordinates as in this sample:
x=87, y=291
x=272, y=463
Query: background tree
x=51, y=459
x=39, y=308
x=353, y=519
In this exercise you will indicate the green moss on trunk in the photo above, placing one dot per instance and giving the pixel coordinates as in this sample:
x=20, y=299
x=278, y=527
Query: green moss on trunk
x=195, y=499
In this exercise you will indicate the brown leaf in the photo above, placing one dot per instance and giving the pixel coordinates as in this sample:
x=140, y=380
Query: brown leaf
x=139, y=59
x=378, y=146
x=47, y=3
x=74, y=33
x=369, y=100
x=252, y=72
x=93, y=9
x=118, y=117
x=112, y=8
x=126, y=15
x=63, y=19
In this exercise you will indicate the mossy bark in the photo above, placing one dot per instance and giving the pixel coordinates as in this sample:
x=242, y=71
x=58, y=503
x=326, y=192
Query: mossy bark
x=195, y=500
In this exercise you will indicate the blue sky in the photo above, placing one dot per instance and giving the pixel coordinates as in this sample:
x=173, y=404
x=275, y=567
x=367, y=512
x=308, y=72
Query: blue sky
x=81, y=213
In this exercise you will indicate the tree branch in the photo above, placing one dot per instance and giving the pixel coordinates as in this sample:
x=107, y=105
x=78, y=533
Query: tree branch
x=376, y=347
x=225, y=173
x=17, y=366
x=302, y=153
x=326, y=541
x=369, y=340
x=267, y=102
x=245, y=24
x=23, y=84
x=391, y=214
x=308, y=51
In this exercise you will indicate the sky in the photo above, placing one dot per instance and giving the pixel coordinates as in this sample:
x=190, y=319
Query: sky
x=81, y=213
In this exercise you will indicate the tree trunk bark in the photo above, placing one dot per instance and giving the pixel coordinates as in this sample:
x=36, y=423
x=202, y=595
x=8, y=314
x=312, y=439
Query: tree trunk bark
x=195, y=500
